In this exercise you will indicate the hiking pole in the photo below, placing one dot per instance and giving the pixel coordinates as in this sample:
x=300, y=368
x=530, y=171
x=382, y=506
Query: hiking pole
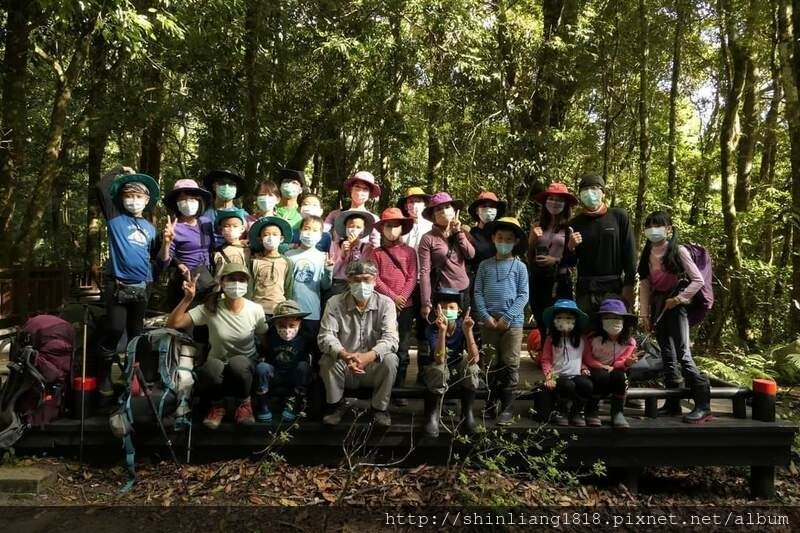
x=83, y=380
x=140, y=375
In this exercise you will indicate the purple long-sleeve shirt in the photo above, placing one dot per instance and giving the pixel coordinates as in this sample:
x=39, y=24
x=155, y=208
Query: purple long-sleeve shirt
x=449, y=263
x=192, y=244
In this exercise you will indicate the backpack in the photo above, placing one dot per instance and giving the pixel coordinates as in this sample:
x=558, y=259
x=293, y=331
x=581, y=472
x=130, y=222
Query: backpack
x=703, y=300
x=40, y=365
x=649, y=366
x=159, y=379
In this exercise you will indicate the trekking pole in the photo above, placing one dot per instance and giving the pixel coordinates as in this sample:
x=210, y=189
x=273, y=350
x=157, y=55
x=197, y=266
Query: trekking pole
x=140, y=375
x=83, y=380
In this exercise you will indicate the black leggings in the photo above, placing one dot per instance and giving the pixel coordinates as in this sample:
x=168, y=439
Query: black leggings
x=574, y=388
x=122, y=318
x=544, y=292
x=606, y=383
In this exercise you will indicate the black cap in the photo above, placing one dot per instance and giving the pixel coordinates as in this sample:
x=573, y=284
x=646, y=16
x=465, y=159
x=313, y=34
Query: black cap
x=591, y=180
x=291, y=174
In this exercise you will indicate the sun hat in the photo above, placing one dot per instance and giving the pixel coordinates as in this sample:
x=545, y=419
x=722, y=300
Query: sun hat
x=563, y=304
x=288, y=309
x=189, y=187
x=340, y=224
x=290, y=174
x=393, y=213
x=152, y=187
x=556, y=189
x=486, y=197
x=507, y=223
x=255, y=231
x=364, y=177
x=234, y=268
x=224, y=214
x=441, y=198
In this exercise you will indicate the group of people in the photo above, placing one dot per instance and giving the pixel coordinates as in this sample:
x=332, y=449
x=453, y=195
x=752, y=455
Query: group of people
x=284, y=296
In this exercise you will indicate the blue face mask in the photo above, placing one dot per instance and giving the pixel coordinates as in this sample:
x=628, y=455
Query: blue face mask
x=226, y=192
x=504, y=248
x=362, y=290
x=591, y=198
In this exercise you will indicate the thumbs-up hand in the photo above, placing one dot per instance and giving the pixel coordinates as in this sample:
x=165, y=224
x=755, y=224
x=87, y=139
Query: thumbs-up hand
x=575, y=238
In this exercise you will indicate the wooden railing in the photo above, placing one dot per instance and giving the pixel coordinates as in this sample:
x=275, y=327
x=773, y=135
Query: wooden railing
x=24, y=292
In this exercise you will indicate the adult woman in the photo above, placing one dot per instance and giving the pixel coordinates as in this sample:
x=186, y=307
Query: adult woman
x=484, y=210
x=233, y=321
x=549, y=278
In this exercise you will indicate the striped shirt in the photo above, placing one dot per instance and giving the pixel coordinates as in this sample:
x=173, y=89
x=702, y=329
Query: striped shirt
x=501, y=290
x=394, y=281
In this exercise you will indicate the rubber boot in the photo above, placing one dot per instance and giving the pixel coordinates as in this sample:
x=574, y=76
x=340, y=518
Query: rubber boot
x=506, y=411
x=618, y=420
x=593, y=413
x=490, y=406
x=702, y=406
x=561, y=412
x=433, y=410
x=671, y=407
x=106, y=386
x=467, y=416
x=575, y=415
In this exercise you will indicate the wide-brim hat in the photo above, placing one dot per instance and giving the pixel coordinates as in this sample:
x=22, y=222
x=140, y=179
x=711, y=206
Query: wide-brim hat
x=144, y=179
x=394, y=214
x=582, y=318
x=487, y=198
x=339, y=225
x=189, y=187
x=291, y=174
x=412, y=192
x=288, y=309
x=224, y=214
x=368, y=179
x=615, y=306
x=224, y=174
x=255, y=231
x=234, y=268
x=556, y=189
x=440, y=198
x=507, y=223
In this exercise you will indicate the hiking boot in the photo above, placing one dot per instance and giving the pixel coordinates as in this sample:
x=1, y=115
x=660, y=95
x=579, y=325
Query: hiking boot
x=214, y=417
x=575, y=414
x=467, y=416
x=618, y=420
x=335, y=416
x=593, y=414
x=381, y=418
x=561, y=420
x=671, y=407
x=263, y=413
x=244, y=413
x=433, y=411
x=702, y=411
x=506, y=411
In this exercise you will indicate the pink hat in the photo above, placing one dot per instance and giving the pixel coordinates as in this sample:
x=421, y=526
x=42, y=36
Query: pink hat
x=366, y=178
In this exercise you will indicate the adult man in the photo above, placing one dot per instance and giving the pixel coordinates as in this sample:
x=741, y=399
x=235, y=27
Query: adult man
x=601, y=244
x=358, y=340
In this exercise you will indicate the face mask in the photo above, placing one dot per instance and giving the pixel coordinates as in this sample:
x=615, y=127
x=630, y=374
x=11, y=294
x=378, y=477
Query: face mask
x=310, y=238
x=564, y=325
x=612, y=326
x=134, y=206
x=290, y=190
x=361, y=290
x=234, y=289
x=487, y=214
x=416, y=209
x=288, y=333
x=360, y=197
x=266, y=202
x=353, y=233
x=554, y=206
x=451, y=314
x=591, y=198
x=447, y=215
x=656, y=233
x=311, y=211
x=188, y=208
x=504, y=248
x=271, y=242
x=392, y=234
x=232, y=233
x=226, y=192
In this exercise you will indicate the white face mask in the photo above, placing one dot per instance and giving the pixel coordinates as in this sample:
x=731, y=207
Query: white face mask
x=310, y=238
x=392, y=234
x=234, y=289
x=288, y=333
x=188, y=208
x=134, y=206
x=232, y=233
x=353, y=233
x=445, y=216
x=311, y=210
x=487, y=214
x=564, y=325
x=656, y=233
x=266, y=202
x=362, y=290
x=554, y=206
x=360, y=197
x=415, y=209
x=612, y=326
x=271, y=242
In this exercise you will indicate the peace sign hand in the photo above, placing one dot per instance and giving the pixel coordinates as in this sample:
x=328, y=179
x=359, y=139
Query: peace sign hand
x=455, y=224
x=190, y=286
x=169, y=229
x=468, y=323
x=441, y=320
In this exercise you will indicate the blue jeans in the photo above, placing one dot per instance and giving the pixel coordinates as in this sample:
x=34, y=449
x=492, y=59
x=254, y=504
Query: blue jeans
x=266, y=377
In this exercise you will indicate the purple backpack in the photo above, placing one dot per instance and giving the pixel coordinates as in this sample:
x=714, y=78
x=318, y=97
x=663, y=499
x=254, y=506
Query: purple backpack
x=703, y=300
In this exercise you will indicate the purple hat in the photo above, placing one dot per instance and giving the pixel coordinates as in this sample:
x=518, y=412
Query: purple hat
x=614, y=306
x=189, y=187
x=440, y=198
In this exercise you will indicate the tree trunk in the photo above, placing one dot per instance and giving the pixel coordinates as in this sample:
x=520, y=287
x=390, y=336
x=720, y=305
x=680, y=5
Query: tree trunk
x=644, y=133
x=252, y=138
x=766, y=173
x=13, y=123
x=747, y=139
x=706, y=146
x=677, y=46
x=153, y=131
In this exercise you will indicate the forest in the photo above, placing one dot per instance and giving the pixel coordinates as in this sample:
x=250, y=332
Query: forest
x=687, y=105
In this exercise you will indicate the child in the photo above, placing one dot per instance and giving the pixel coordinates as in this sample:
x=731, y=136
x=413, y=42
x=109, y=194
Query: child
x=273, y=273
x=501, y=293
x=355, y=226
x=225, y=186
x=454, y=361
x=311, y=205
x=361, y=187
x=662, y=295
x=397, y=277
x=608, y=353
x=562, y=360
x=285, y=368
x=291, y=183
x=267, y=197
x=231, y=224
